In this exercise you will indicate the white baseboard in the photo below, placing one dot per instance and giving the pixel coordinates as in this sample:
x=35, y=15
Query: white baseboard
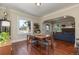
x=18, y=40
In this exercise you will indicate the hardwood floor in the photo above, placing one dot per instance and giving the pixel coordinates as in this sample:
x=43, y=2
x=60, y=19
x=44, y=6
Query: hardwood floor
x=60, y=48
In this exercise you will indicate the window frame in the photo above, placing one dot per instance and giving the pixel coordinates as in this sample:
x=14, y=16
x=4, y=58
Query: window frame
x=19, y=31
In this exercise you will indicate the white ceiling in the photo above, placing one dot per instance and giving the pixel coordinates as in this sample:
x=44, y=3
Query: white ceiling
x=32, y=9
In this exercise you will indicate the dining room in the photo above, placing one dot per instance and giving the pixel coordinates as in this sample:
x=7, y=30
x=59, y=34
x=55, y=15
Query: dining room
x=40, y=43
x=30, y=29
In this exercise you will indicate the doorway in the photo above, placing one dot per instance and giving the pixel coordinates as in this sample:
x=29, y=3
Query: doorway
x=62, y=30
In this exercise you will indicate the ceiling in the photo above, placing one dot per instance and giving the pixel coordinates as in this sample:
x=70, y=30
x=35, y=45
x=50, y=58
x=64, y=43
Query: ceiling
x=32, y=9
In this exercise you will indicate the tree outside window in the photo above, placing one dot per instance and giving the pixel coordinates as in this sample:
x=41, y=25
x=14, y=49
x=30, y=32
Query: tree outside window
x=24, y=26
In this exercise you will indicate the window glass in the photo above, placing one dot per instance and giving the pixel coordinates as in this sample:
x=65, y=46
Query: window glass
x=47, y=27
x=24, y=26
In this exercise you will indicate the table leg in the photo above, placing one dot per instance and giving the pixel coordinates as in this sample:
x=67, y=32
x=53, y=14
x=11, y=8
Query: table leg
x=77, y=51
x=41, y=48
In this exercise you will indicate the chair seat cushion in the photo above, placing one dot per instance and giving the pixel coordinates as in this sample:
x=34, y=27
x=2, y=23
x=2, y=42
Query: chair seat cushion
x=44, y=42
x=34, y=41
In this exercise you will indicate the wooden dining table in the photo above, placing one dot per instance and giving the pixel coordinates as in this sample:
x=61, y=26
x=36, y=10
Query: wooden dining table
x=44, y=37
x=41, y=38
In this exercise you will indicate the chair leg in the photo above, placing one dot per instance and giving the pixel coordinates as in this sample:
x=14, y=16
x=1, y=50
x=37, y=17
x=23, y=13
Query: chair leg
x=41, y=48
x=48, y=48
x=30, y=48
x=52, y=43
x=77, y=51
x=27, y=40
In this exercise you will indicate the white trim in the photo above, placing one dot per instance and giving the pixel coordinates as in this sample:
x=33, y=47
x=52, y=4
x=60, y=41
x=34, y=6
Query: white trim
x=18, y=40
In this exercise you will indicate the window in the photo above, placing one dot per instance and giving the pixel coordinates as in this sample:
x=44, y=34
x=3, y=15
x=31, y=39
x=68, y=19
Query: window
x=24, y=26
x=57, y=28
x=47, y=27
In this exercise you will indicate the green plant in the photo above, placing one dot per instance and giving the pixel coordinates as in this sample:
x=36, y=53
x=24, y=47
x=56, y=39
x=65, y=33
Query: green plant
x=4, y=36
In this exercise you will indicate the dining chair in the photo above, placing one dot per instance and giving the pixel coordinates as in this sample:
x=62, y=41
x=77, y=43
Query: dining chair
x=47, y=42
x=77, y=46
x=31, y=40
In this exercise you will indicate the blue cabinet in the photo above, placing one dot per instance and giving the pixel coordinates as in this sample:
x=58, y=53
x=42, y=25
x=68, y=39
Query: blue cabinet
x=65, y=36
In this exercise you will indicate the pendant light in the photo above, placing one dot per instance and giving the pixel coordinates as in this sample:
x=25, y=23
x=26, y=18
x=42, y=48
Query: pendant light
x=38, y=4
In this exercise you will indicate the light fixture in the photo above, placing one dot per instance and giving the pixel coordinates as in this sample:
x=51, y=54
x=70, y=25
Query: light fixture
x=38, y=4
x=5, y=14
x=64, y=16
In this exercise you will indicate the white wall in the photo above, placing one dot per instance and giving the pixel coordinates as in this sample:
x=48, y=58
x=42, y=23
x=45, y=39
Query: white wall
x=70, y=11
x=14, y=16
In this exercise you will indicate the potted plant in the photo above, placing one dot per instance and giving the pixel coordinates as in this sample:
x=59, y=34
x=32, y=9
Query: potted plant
x=4, y=37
